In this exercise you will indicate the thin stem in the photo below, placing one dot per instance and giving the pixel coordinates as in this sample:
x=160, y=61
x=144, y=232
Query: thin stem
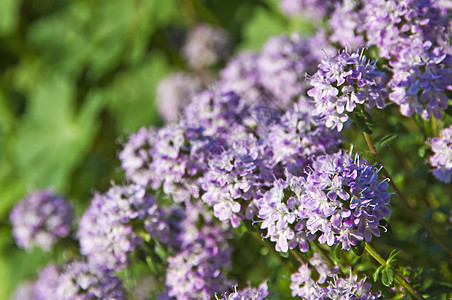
x=372, y=252
x=434, y=126
x=402, y=197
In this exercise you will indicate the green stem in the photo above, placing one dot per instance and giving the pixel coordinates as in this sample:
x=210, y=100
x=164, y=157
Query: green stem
x=402, y=197
x=372, y=252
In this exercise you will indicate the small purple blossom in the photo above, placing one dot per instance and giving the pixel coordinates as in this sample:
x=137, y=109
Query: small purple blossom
x=106, y=233
x=40, y=219
x=441, y=160
x=83, y=281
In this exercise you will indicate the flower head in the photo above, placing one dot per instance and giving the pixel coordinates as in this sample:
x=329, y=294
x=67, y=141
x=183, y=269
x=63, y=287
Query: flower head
x=40, y=219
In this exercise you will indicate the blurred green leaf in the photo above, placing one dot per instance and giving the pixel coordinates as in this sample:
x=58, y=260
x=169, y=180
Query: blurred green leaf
x=9, y=16
x=386, y=140
x=259, y=28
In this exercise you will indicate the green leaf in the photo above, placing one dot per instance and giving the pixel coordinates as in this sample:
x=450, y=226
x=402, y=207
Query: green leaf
x=9, y=16
x=377, y=272
x=336, y=253
x=363, y=119
x=261, y=26
x=387, y=276
x=391, y=257
x=386, y=140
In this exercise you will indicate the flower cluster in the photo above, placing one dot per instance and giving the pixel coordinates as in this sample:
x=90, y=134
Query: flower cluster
x=340, y=201
x=196, y=271
x=441, y=160
x=84, y=281
x=106, y=231
x=328, y=284
x=249, y=293
x=40, y=219
x=283, y=62
x=205, y=46
x=47, y=282
x=342, y=82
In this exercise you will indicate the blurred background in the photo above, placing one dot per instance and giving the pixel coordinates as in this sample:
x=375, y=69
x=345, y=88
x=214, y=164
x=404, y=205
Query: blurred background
x=78, y=76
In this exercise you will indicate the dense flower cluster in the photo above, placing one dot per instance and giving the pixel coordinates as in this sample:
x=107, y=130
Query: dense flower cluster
x=106, y=231
x=248, y=293
x=342, y=82
x=40, y=219
x=205, y=46
x=328, y=284
x=196, y=271
x=341, y=200
x=83, y=281
x=257, y=145
x=441, y=160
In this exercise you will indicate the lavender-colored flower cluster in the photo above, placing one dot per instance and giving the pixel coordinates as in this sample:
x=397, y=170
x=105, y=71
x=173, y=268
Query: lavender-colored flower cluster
x=83, y=281
x=342, y=82
x=328, y=284
x=340, y=201
x=441, y=160
x=196, y=271
x=413, y=36
x=41, y=219
x=205, y=46
x=106, y=231
x=248, y=293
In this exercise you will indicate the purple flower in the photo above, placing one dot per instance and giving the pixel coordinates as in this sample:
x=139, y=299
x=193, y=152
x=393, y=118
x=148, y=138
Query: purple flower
x=340, y=200
x=314, y=10
x=441, y=160
x=46, y=284
x=175, y=92
x=83, y=281
x=342, y=82
x=420, y=85
x=328, y=284
x=346, y=25
x=106, y=234
x=40, y=219
x=196, y=271
x=241, y=76
x=205, y=46
x=282, y=64
x=248, y=293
